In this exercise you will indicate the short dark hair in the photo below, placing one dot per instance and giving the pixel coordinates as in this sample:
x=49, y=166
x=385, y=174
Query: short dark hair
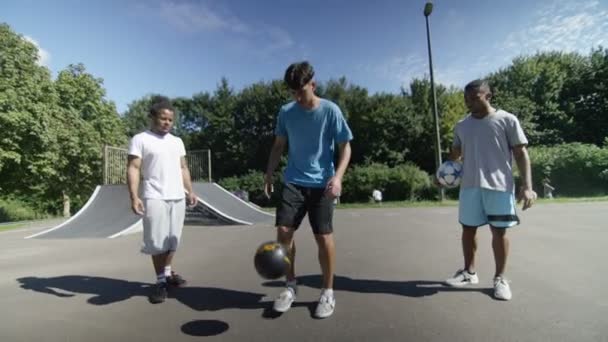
x=158, y=104
x=298, y=75
x=478, y=84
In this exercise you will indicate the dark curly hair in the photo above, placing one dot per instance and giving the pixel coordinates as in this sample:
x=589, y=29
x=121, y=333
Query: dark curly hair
x=160, y=103
x=298, y=75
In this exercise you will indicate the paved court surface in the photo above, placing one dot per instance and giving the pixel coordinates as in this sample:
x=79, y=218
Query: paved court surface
x=391, y=263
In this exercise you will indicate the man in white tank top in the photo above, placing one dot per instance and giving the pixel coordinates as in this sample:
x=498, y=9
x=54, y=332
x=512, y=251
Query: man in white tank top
x=159, y=158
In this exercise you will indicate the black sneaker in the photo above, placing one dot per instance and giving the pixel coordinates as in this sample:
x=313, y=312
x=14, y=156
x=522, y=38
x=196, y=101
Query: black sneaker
x=176, y=280
x=158, y=293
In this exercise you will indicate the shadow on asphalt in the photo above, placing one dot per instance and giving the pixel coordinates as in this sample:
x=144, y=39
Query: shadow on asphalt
x=409, y=288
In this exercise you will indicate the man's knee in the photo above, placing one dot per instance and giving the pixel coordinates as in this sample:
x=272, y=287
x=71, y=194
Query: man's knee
x=324, y=240
x=498, y=233
x=285, y=235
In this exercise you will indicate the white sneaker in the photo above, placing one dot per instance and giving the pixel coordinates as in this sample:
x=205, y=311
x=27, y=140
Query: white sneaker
x=326, y=306
x=285, y=299
x=501, y=288
x=462, y=278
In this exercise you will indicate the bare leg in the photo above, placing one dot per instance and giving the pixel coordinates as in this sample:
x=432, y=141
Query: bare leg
x=285, y=238
x=159, y=261
x=500, y=245
x=469, y=247
x=327, y=256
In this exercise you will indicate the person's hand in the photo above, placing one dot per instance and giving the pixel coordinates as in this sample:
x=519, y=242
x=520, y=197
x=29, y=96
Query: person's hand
x=268, y=185
x=436, y=182
x=137, y=206
x=527, y=196
x=334, y=187
x=192, y=199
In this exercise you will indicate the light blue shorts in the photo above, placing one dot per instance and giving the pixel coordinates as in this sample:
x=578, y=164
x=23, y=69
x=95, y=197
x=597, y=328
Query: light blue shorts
x=478, y=207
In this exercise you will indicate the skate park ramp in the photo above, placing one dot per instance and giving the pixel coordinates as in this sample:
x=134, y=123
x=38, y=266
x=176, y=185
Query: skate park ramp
x=107, y=214
x=229, y=207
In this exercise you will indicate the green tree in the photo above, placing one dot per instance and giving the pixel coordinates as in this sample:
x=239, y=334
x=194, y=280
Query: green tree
x=89, y=121
x=586, y=98
x=83, y=93
x=136, y=119
x=255, y=118
x=216, y=116
x=28, y=148
x=386, y=132
x=532, y=88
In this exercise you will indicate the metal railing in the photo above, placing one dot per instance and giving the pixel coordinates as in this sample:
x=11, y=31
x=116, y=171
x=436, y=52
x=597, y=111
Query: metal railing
x=115, y=165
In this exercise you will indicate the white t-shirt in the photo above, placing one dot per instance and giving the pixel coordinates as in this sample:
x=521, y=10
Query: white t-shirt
x=160, y=164
x=486, y=146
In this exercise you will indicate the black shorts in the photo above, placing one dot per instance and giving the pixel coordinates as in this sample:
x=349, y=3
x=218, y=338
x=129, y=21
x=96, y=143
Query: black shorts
x=298, y=200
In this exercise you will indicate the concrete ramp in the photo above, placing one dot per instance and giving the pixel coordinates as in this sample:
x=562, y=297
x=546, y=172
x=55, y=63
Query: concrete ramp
x=229, y=207
x=107, y=214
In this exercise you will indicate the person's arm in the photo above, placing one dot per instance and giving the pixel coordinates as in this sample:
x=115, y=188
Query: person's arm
x=133, y=174
x=192, y=199
x=456, y=150
x=334, y=186
x=273, y=161
x=525, y=194
x=345, y=153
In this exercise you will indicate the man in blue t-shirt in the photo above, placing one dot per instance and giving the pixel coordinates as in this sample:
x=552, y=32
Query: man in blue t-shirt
x=311, y=127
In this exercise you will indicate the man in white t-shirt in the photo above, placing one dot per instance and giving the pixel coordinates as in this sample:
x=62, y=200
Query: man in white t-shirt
x=159, y=157
x=487, y=140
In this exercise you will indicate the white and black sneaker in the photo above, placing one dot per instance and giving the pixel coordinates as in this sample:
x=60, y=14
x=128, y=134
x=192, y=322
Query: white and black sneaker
x=463, y=278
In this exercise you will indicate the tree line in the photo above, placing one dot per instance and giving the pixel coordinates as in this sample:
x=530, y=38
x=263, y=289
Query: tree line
x=54, y=129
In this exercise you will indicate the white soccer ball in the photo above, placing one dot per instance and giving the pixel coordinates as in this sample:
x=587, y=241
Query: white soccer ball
x=449, y=174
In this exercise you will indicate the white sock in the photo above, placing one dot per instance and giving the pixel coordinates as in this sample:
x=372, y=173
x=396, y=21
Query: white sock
x=168, y=271
x=160, y=278
x=292, y=284
x=327, y=292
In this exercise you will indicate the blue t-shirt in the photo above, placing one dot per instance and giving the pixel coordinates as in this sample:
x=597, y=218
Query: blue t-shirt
x=311, y=136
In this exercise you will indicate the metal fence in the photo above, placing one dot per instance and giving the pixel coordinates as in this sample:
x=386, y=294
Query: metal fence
x=115, y=165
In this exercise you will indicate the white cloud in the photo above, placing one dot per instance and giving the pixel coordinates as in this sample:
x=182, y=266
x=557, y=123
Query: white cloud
x=405, y=69
x=199, y=17
x=44, y=57
x=401, y=69
x=279, y=38
x=191, y=17
x=563, y=26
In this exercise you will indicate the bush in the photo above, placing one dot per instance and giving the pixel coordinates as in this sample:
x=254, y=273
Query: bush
x=573, y=169
x=402, y=182
x=253, y=183
x=17, y=210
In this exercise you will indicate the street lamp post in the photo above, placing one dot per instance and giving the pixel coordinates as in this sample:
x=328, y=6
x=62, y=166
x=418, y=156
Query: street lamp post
x=428, y=9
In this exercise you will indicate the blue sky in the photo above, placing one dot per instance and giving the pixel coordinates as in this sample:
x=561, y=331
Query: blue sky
x=179, y=48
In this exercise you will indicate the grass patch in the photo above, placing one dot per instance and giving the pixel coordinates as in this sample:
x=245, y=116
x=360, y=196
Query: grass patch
x=451, y=203
x=574, y=199
x=11, y=226
x=398, y=204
